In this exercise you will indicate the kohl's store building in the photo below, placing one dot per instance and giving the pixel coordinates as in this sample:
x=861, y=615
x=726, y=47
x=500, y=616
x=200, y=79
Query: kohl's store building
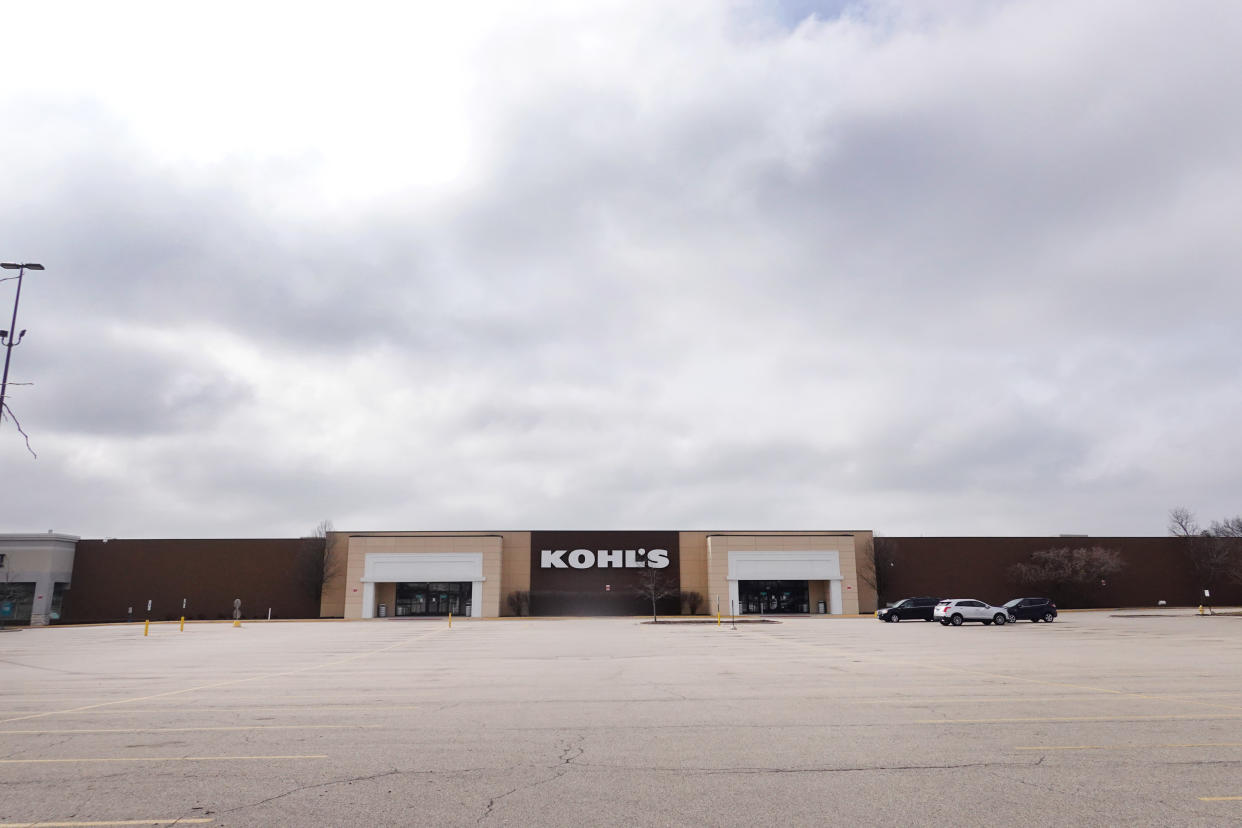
x=56, y=578
x=583, y=573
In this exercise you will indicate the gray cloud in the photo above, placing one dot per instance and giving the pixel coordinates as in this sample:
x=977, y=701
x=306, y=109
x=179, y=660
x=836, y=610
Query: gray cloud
x=961, y=268
x=107, y=388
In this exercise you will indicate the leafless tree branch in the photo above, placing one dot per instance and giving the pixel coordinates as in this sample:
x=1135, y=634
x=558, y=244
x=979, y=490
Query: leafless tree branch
x=1069, y=571
x=1182, y=522
x=655, y=584
x=9, y=411
x=1214, y=553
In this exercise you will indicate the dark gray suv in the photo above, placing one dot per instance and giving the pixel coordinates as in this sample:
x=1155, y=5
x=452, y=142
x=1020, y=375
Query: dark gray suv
x=1032, y=609
x=909, y=609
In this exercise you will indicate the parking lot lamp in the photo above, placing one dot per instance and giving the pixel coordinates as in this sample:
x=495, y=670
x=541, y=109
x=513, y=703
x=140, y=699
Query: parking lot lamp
x=12, y=336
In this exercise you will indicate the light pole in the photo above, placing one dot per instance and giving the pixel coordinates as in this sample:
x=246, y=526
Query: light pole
x=12, y=337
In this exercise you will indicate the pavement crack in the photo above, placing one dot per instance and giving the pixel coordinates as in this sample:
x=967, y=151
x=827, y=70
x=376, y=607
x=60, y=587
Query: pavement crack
x=570, y=750
x=491, y=803
x=1194, y=762
x=844, y=769
x=1029, y=783
x=334, y=782
x=43, y=747
x=45, y=669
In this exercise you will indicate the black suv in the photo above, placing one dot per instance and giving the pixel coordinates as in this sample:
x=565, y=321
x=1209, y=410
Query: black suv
x=1031, y=609
x=908, y=610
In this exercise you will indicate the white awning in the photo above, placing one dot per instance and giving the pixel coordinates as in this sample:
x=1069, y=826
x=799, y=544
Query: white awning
x=785, y=565
x=405, y=567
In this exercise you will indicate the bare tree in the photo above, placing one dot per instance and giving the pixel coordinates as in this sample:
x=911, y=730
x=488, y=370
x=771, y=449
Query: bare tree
x=316, y=568
x=1182, y=523
x=1214, y=553
x=1227, y=534
x=655, y=584
x=1227, y=528
x=876, y=570
x=332, y=565
x=1068, y=571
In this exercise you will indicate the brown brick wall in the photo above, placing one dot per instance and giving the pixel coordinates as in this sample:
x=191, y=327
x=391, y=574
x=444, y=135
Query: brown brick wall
x=1155, y=569
x=110, y=576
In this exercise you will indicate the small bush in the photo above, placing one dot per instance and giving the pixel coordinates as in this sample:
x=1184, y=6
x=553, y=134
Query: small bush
x=519, y=602
x=692, y=601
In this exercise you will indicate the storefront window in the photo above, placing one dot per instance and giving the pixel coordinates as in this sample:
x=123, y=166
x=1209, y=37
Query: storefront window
x=438, y=598
x=16, y=601
x=58, y=597
x=773, y=597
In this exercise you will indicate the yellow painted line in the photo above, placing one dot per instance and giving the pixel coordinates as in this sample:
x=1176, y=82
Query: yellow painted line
x=181, y=711
x=1220, y=798
x=154, y=759
x=1129, y=747
x=70, y=698
x=820, y=646
x=171, y=821
x=925, y=700
x=180, y=730
x=912, y=701
x=1176, y=717
x=1108, y=690
x=1132, y=695
x=213, y=685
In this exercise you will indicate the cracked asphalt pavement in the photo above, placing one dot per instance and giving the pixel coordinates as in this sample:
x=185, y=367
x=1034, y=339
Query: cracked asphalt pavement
x=1098, y=719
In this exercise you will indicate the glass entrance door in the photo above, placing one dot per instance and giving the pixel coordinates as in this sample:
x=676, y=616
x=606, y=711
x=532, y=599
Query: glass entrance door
x=433, y=598
x=773, y=597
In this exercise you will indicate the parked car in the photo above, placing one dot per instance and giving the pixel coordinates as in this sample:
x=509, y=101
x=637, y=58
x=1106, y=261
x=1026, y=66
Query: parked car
x=909, y=609
x=1031, y=609
x=957, y=611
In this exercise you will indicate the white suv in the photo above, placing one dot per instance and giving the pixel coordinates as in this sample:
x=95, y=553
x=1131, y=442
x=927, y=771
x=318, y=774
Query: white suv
x=957, y=611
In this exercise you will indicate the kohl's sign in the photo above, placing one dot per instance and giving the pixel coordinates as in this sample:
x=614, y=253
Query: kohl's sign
x=603, y=558
x=585, y=572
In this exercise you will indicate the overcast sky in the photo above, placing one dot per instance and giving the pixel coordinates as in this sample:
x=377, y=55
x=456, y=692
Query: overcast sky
x=937, y=267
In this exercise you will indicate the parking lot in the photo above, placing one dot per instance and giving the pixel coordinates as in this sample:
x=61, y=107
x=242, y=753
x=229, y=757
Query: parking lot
x=1098, y=719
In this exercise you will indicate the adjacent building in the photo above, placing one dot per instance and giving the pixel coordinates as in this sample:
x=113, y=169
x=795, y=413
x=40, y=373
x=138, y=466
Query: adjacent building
x=35, y=572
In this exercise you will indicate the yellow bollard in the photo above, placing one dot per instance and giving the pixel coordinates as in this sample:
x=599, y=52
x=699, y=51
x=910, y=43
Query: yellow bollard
x=146, y=628
x=450, y=620
x=717, y=618
x=236, y=622
x=1201, y=609
x=183, y=623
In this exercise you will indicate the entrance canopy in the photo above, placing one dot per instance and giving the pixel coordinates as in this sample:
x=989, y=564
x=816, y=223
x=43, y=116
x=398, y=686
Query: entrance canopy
x=464, y=570
x=786, y=565
x=423, y=566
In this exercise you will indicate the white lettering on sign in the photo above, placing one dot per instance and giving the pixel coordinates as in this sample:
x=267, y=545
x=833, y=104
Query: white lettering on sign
x=603, y=559
x=553, y=559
